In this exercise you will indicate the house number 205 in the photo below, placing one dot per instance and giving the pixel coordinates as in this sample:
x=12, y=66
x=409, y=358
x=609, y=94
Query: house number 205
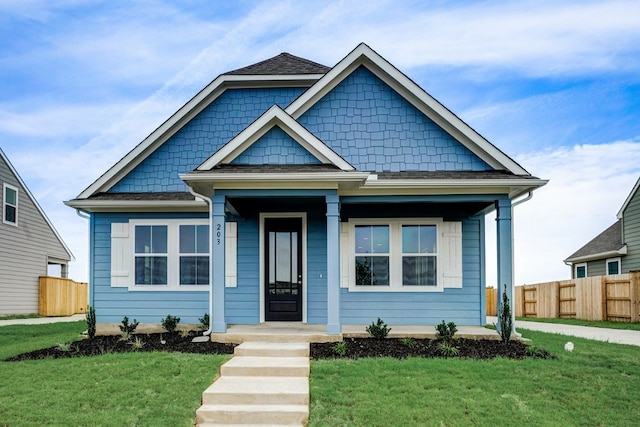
x=218, y=233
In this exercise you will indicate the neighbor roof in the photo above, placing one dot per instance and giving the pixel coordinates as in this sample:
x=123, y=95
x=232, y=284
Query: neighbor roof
x=605, y=244
x=285, y=63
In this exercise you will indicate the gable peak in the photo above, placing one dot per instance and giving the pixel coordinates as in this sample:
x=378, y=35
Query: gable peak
x=282, y=64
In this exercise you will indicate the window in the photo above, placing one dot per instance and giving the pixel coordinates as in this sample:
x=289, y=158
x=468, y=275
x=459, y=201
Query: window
x=419, y=255
x=372, y=255
x=10, y=205
x=412, y=255
x=580, y=271
x=613, y=266
x=194, y=254
x=151, y=256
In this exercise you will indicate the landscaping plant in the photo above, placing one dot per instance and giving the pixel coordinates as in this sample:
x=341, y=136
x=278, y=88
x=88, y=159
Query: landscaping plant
x=170, y=322
x=504, y=318
x=340, y=348
x=127, y=329
x=91, y=322
x=378, y=329
x=446, y=331
x=204, y=322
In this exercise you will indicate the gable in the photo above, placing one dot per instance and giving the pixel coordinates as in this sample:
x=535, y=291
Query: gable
x=275, y=147
x=229, y=114
x=375, y=129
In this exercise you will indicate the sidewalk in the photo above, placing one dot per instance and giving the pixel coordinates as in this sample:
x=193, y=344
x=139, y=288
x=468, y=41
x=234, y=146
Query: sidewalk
x=43, y=320
x=618, y=336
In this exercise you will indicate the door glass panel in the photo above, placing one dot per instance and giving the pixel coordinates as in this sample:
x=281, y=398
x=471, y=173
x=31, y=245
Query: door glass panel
x=294, y=257
x=283, y=257
x=272, y=259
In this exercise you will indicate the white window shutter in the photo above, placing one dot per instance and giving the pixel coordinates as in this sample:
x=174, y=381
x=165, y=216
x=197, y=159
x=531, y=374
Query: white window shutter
x=450, y=254
x=121, y=255
x=346, y=256
x=231, y=255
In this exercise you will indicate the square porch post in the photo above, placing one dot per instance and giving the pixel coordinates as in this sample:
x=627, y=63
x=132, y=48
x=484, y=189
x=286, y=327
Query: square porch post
x=333, y=264
x=505, y=254
x=217, y=265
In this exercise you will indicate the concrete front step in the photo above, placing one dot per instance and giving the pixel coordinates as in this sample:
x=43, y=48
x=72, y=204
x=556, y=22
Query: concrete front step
x=258, y=391
x=266, y=366
x=271, y=349
x=253, y=414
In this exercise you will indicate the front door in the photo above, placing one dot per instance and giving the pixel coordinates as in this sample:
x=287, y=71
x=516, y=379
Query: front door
x=283, y=269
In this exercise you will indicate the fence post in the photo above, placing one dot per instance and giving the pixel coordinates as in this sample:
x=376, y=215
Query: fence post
x=634, y=284
x=603, y=286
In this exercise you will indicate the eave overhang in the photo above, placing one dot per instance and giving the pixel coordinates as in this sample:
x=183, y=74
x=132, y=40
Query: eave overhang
x=592, y=257
x=90, y=205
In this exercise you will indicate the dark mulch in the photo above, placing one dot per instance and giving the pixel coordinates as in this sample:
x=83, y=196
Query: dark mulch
x=396, y=347
x=173, y=342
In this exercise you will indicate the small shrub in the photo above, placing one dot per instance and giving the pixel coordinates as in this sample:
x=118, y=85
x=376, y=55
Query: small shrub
x=408, y=342
x=447, y=350
x=184, y=333
x=91, y=322
x=65, y=347
x=128, y=328
x=504, y=318
x=340, y=348
x=378, y=329
x=170, y=322
x=137, y=344
x=204, y=322
x=446, y=331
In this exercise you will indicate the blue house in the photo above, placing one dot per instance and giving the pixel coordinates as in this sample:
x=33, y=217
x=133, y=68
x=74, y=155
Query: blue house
x=291, y=191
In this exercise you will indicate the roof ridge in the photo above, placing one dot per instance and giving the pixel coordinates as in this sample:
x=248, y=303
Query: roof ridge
x=283, y=63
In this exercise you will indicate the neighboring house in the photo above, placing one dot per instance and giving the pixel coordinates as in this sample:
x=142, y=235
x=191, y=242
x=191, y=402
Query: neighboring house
x=291, y=191
x=29, y=244
x=617, y=249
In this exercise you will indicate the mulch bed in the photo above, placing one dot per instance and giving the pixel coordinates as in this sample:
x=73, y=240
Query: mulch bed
x=354, y=348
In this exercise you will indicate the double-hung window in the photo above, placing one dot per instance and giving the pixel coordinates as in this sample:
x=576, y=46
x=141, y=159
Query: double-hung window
x=10, y=204
x=151, y=255
x=194, y=255
x=613, y=266
x=419, y=255
x=372, y=255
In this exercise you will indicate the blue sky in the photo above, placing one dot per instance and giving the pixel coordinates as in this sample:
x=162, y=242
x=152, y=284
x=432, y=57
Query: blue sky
x=554, y=84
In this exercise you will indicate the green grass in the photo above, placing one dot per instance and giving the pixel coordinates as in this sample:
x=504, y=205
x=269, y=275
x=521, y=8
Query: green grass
x=135, y=389
x=598, y=384
x=19, y=316
x=597, y=324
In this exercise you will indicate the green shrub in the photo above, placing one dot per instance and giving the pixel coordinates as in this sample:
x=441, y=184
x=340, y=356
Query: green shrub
x=378, y=329
x=137, y=344
x=127, y=329
x=446, y=331
x=340, y=348
x=204, y=322
x=447, y=350
x=91, y=322
x=504, y=318
x=408, y=342
x=170, y=322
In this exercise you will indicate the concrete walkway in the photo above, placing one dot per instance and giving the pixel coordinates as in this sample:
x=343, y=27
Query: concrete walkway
x=43, y=320
x=618, y=336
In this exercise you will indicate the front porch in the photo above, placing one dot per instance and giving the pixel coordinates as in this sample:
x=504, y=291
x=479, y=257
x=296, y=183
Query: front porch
x=297, y=332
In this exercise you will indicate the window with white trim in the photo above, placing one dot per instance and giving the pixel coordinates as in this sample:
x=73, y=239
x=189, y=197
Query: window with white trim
x=613, y=266
x=416, y=255
x=168, y=255
x=9, y=204
x=580, y=270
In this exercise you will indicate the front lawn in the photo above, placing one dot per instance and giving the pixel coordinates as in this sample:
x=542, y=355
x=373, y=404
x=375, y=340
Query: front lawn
x=134, y=389
x=598, y=384
x=635, y=326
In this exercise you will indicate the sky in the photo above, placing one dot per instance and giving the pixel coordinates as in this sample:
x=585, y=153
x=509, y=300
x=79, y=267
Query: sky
x=554, y=84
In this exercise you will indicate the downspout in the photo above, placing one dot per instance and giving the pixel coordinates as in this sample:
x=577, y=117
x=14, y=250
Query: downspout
x=513, y=309
x=84, y=215
x=207, y=200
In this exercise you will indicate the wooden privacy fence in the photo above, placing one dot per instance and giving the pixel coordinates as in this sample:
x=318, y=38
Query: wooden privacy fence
x=492, y=302
x=615, y=298
x=61, y=297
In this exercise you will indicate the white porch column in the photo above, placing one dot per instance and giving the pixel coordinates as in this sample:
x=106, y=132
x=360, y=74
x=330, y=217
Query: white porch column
x=333, y=264
x=505, y=255
x=217, y=265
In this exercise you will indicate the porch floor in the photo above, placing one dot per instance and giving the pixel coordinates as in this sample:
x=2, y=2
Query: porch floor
x=299, y=332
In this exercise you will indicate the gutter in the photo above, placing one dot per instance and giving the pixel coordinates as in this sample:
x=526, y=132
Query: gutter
x=207, y=200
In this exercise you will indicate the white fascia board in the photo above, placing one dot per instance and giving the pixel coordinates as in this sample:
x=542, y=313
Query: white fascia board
x=188, y=111
x=89, y=205
x=364, y=55
x=593, y=257
x=276, y=177
x=274, y=116
x=37, y=205
x=628, y=199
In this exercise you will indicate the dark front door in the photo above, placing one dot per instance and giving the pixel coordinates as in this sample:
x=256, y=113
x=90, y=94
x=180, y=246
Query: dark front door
x=283, y=269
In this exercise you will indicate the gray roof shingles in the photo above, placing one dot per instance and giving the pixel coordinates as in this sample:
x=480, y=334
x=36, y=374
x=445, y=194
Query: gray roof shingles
x=282, y=64
x=607, y=241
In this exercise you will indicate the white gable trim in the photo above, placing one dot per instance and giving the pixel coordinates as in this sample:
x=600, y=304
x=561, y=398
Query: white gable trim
x=37, y=205
x=187, y=112
x=364, y=55
x=274, y=116
x=628, y=200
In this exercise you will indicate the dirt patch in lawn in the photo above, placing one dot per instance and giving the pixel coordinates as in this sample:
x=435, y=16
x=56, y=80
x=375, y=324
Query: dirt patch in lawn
x=399, y=348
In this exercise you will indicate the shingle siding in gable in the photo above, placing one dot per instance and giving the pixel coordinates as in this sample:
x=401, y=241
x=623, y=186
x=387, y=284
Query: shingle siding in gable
x=631, y=234
x=234, y=110
x=275, y=148
x=375, y=129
